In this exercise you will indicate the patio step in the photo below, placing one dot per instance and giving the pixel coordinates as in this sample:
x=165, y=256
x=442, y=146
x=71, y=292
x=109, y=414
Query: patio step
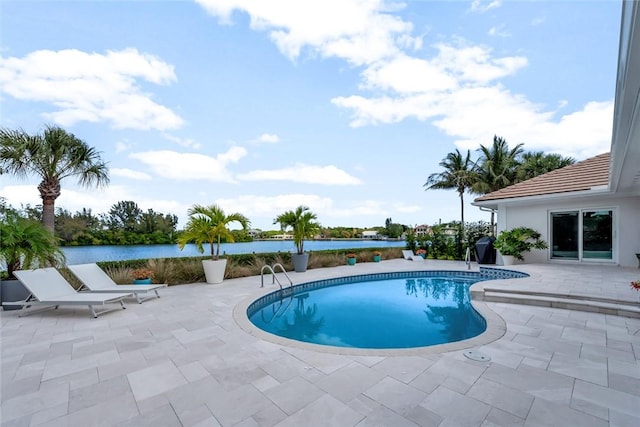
x=569, y=302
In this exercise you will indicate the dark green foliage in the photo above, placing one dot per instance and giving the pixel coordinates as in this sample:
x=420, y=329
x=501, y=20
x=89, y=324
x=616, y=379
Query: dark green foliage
x=517, y=241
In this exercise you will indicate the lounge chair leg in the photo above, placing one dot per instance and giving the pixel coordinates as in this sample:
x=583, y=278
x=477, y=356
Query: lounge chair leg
x=137, y=298
x=157, y=294
x=122, y=304
x=93, y=311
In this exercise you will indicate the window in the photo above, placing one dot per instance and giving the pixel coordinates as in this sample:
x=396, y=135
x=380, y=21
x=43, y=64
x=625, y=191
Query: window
x=582, y=234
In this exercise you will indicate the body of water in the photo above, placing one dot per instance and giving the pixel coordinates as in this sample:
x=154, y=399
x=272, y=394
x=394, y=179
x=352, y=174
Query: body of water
x=87, y=254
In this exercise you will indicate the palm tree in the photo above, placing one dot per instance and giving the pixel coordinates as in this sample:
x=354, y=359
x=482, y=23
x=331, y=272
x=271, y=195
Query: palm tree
x=26, y=243
x=537, y=163
x=53, y=155
x=209, y=224
x=303, y=224
x=496, y=168
x=458, y=174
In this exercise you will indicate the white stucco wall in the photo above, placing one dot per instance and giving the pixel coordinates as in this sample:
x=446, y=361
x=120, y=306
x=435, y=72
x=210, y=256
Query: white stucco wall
x=536, y=216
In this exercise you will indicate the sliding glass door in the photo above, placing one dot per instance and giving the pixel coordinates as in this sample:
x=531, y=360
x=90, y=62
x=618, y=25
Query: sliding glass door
x=585, y=234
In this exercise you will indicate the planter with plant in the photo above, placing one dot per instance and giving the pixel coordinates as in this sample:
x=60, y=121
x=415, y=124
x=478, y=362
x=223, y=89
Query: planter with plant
x=26, y=244
x=513, y=243
x=142, y=276
x=208, y=224
x=303, y=225
x=377, y=255
x=351, y=258
x=422, y=253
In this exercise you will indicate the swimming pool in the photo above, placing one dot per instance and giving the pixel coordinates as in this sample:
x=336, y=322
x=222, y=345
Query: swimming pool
x=377, y=311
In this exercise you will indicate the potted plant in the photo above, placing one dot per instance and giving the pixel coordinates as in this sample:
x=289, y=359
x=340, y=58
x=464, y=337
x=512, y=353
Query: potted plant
x=513, y=243
x=142, y=276
x=208, y=224
x=422, y=253
x=303, y=224
x=26, y=244
x=351, y=258
x=376, y=256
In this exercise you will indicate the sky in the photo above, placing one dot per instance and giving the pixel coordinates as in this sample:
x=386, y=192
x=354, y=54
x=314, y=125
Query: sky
x=344, y=106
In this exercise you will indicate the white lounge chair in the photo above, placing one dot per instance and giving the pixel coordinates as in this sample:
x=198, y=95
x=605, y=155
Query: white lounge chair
x=94, y=279
x=48, y=288
x=410, y=255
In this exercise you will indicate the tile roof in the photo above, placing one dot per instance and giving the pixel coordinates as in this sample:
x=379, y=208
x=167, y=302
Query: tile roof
x=580, y=176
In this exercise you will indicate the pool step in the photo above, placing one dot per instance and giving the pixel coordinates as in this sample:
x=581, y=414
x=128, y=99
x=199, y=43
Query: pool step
x=569, y=302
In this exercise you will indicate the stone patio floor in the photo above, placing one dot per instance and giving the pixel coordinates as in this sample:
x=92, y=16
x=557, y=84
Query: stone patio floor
x=189, y=359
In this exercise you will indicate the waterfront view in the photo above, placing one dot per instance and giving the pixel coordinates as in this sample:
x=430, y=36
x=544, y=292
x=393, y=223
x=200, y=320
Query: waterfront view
x=87, y=254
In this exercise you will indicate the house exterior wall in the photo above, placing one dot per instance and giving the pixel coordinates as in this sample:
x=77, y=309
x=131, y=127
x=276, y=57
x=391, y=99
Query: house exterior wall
x=626, y=227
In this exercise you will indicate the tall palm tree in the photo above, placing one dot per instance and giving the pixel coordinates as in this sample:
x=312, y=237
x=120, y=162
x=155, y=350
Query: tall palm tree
x=534, y=163
x=209, y=224
x=496, y=168
x=53, y=155
x=458, y=174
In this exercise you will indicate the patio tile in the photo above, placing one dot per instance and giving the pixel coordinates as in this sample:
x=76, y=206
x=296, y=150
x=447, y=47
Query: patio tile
x=499, y=418
x=269, y=416
x=540, y=383
x=547, y=413
x=111, y=411
x=619, y=419
x=396, y=395
x=191, y=358
x=294, y=394
x=326, y=411
x=404, y=369
x=585, y=369
x=606, y=397
x=234, y=406
x=448, y=404
x=499, y=396
x=155, y=380
x=163, y=416
x=385, y=417
x=348, y=382
x=94, y=394
x=48, y=396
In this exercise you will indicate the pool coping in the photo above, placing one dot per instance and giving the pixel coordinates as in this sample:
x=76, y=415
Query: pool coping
x=496, y=328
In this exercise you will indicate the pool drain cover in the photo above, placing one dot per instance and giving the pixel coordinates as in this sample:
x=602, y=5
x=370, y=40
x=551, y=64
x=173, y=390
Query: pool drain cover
x=477, y=356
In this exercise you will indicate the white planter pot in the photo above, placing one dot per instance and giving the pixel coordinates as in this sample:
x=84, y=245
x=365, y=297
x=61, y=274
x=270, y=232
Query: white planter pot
x=214, y=270
x=508, y=260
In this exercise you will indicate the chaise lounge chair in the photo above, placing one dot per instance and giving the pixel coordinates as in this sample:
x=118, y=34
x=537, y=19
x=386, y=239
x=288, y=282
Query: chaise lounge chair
x=94, y=279
x=410, y=255
x=48, y=288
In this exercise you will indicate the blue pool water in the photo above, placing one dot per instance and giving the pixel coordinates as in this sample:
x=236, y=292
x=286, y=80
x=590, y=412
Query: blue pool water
x=376, y=311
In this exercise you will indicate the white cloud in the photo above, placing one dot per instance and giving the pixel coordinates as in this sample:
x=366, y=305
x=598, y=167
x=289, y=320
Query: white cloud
x=130, y=174
x=326, y=175
x=191, y=166
x=92, y=87
x=499, y=31
x=484, y=5
x=268, y=138
x=458, y=88
x=360, y=32
x=265, y=208
x=121, y=146
x=183, y=142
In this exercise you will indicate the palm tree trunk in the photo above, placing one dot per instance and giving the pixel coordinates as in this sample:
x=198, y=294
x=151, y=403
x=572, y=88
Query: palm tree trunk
x=48, y=214
x=49, y=191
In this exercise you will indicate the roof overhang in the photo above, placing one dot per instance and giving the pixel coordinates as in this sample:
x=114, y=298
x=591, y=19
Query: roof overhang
x=625, y=141
x=546, y=198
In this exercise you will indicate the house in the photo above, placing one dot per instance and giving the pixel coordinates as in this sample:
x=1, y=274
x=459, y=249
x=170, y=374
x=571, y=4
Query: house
x=370, y=235
x=422, y=230
x=589, y=211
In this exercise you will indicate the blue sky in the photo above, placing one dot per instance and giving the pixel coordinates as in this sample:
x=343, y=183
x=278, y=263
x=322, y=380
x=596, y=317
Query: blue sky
x=344, y=106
